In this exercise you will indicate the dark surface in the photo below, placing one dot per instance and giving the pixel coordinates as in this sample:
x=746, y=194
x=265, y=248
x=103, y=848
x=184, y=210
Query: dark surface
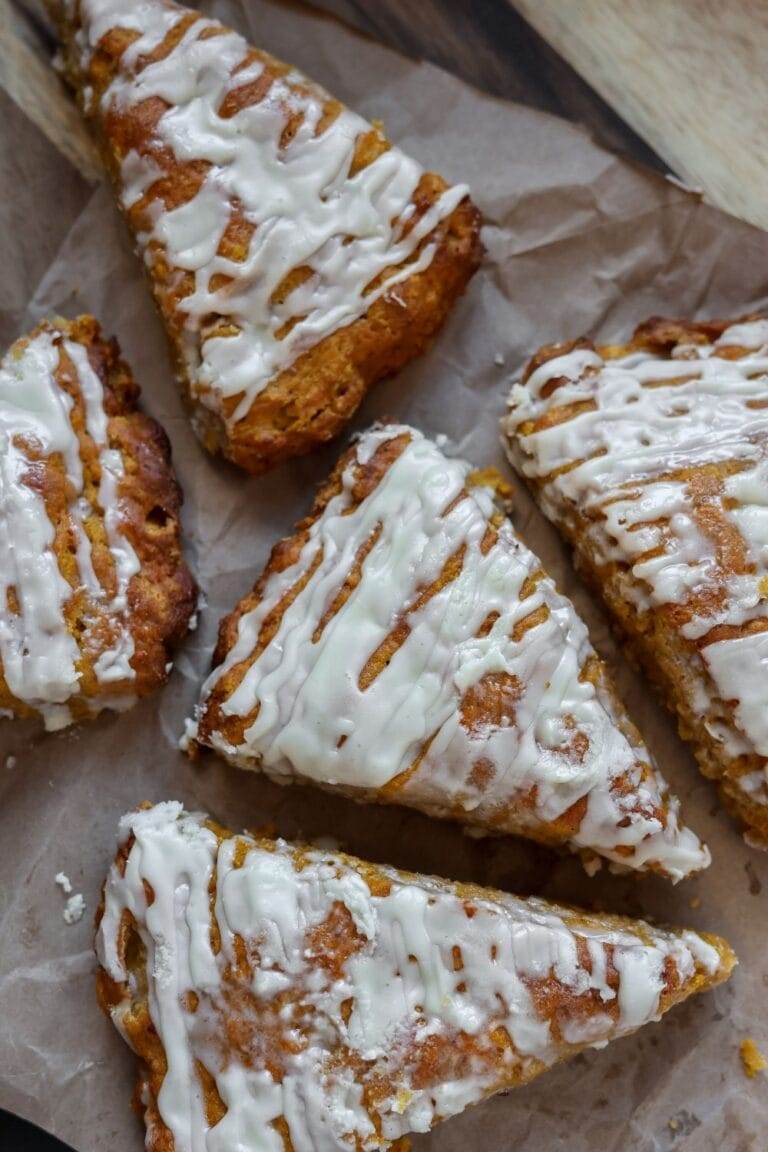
x=489, y=45
x=18, y=1136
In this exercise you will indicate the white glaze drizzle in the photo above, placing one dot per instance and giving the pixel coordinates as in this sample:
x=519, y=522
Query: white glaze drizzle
x=39, y=655
x=316, y=722
x=703, y=411
x=113, y=663
x=307, y=210
x=400, y=984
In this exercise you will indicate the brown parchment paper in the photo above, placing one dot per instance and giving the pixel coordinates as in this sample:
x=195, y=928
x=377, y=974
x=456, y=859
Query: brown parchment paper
x=578, y=241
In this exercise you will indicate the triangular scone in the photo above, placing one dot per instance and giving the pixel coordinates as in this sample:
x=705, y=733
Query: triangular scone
x=653, y=460
x=94, y=590
x=295, y=255
x=287, y=998
x=405, y=646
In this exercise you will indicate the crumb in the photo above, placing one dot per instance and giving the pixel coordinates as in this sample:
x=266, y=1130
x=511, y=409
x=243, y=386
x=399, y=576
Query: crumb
x=74, y=909
x=498, y=359
x=188, y=736
x=694, y=902
x=673, y=1125
x=591, y=864
x=393, y=294
x=63, y=882
x=752, y=1058
x=10, y=762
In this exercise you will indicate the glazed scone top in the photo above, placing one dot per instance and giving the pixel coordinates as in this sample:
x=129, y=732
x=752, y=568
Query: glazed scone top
x=52, y=419
x=419, y=642
x=666, y=456
x=333, y=997
x=324, y=238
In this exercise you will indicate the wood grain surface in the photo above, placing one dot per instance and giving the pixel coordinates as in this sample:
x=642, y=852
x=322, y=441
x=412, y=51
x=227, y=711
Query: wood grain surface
x=484, y=41
x=678, y=84
x=690, y=76
x=28, y=79
x=491, y=46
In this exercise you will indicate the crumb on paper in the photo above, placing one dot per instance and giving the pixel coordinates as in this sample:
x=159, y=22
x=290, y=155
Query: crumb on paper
x=752, y=1059
x=694, y=902
x=10, y=762
x=169, y=668
x=682, y=1124
x=75, y=905
x=188, y=736
x=74, y=908
x=63, y=882
x=498, y=359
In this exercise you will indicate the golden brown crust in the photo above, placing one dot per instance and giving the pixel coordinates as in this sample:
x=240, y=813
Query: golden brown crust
x=476, y=793
x=162, y=594
x=654, y=638
x=441, y=1058
x=309, y=402
x=671, y=664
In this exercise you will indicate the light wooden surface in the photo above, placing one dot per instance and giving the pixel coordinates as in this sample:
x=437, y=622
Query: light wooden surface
x=491, y=46
x=690, y=76
x=484, y=41
x=678, y=84
x=27, y=77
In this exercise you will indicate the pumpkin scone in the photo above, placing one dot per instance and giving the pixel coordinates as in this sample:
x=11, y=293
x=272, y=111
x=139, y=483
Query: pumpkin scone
x=295, y=255
x=282, y=997
x=94, y=591
x=405, y=646
x=652, y=458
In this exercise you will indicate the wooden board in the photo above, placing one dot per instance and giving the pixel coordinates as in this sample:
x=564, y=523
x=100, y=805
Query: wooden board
x=487, y=44
x=690, y=76
x=27, y=77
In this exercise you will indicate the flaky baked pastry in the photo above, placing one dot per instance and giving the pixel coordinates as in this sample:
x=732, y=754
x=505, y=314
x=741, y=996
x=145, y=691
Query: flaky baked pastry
x=652, y=457
x=405, y=646
x=94, y=590
x=295, y=255
x=284, y=999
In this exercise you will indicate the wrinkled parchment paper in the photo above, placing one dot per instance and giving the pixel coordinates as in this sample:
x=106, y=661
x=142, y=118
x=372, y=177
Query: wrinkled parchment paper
x=577, y=241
